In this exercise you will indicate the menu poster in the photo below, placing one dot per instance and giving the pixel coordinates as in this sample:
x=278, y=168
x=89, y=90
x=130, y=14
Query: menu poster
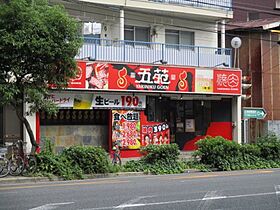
x=155, y=133
x=126, y=128
x=189, y=125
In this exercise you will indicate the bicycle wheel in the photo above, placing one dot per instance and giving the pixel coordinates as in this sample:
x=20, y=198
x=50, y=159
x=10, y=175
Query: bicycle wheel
x=117, y=161
x=4, y=167
x=30, y=166
x=16, y=165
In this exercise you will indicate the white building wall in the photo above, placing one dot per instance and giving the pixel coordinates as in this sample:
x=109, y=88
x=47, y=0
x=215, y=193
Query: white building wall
x=32, y=121
x=236, y=119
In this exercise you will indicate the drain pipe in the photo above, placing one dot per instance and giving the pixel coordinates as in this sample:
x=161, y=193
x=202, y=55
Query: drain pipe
x=121, y=23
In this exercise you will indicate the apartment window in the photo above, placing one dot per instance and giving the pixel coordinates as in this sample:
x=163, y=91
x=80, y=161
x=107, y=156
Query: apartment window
x=135, y=33
x=176, y=37
x=277, y=4
x=253, y=16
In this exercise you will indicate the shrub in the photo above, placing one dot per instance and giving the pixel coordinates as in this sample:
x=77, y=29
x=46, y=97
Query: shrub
x=158, y=159
x=269, y=147
x=217, y=152
x=226, y=155
x=49, y=163
x=90, y=159
x=163, y=153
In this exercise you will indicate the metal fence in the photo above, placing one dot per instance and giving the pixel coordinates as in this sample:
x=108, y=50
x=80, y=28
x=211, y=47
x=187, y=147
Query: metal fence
x=150, y=53
x=218, y=4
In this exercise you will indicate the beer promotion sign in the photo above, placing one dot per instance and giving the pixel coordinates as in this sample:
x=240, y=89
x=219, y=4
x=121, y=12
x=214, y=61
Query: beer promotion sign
x=123, y=77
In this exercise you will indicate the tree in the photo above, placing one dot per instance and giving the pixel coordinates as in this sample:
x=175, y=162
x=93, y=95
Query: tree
x=38, y=43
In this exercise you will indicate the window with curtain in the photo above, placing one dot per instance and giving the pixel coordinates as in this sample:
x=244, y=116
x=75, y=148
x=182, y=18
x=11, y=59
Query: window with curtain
x=135, y=33
x=176, y=37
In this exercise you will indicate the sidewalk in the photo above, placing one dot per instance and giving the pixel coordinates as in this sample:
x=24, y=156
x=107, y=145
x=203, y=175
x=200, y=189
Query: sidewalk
x=23, y=179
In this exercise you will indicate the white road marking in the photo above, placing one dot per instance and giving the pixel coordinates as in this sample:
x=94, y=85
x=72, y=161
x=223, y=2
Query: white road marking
x=50, y=206
x=130, y=202
x=277, y=191
x=182, y=201
x=208, y=199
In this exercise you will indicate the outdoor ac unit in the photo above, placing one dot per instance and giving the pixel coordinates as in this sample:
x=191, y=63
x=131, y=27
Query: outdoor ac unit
x=87, y=28
x=92, y=28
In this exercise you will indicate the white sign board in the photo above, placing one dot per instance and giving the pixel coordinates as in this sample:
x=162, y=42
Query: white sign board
x=119, y=101
x=62, y=99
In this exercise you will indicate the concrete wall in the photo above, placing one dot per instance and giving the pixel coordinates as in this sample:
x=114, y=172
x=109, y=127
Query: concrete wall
x=65, y=136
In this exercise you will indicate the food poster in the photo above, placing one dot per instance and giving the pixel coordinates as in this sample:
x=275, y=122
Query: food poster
x=156, y=133
x=126, y=128
x=204, y=81
x=82, y=101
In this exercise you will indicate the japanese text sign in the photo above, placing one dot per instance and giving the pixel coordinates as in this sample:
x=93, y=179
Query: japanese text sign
x=119, y=101
x=126, y=128
x=121, y=77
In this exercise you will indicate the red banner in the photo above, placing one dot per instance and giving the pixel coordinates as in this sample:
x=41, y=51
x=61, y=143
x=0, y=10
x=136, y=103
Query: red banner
x=155, y=133
x=151, y=78
x=80, y=80
x=227, y=81
x=108, y=76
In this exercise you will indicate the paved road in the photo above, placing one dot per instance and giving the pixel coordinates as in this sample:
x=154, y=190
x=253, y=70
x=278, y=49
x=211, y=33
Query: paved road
x=247, y=190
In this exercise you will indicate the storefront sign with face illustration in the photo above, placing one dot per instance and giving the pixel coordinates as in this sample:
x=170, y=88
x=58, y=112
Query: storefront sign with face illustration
x=126, y=77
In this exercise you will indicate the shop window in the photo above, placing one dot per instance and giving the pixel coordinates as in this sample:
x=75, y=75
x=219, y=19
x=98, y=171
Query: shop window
x=135, y=33
x=176, y=37
x=75, y=117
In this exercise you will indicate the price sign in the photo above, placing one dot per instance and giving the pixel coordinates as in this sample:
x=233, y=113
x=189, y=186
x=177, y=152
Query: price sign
x=119, y=101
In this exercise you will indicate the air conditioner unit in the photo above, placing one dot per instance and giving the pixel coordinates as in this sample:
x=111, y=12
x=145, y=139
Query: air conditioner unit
x=96, y=28
x=87, y=28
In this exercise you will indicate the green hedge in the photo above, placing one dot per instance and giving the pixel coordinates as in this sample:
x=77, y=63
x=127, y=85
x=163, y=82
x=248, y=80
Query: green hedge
x=157, y=159
x=90, y=159
x=227, y=155
x=73, y=162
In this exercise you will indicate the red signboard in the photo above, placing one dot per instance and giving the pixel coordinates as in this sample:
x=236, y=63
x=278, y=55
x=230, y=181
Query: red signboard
x=115, y=77
x=151, y=78
x=227, y=81
x=155, y=133
x=80, y=80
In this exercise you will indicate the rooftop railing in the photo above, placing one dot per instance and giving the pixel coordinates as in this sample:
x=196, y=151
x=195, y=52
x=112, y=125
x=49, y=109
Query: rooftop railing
x=150, y=53
x=218, y=4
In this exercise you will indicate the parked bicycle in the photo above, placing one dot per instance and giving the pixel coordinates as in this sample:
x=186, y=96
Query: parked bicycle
x=117, y=153
x=20, y=162
x=4, y=163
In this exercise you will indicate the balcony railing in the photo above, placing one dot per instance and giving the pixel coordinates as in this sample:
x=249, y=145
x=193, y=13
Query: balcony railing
x=149, y=53
x=218, y=4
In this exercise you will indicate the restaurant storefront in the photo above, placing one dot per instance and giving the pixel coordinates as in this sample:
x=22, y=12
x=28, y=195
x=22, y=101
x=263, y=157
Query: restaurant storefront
x=141, y=105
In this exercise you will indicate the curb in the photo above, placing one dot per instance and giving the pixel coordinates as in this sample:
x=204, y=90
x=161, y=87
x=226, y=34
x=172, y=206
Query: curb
x=22, y=179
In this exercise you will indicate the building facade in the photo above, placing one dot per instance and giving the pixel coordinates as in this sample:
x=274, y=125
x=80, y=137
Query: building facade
x=150, y=72
x=259, y=60
x=255, y=10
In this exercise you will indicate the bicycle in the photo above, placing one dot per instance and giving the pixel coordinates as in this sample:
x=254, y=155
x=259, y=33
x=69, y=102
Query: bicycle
x=4, y=163
x=23, y=163
x=16, y=161
x=117, y=154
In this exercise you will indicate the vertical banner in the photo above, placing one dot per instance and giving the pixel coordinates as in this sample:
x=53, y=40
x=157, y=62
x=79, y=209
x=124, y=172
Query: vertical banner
x=126, y=128
x=155, y=133
x=80, y=80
